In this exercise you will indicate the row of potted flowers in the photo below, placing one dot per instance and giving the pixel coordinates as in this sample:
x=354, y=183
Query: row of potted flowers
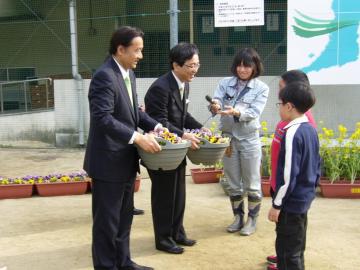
x=50, y=185
x=77, y=183
x=340, y=158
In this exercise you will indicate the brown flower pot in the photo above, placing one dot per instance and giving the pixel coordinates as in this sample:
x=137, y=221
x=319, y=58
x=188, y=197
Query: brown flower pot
x=16, y=191
x=137, y=184
x=340, y=189
x=208, y=175
x=62, y=188
x=89, y=185
x=265, y=186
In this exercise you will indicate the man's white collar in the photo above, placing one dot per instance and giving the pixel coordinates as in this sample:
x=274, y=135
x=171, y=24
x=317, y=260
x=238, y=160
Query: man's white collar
x=124, y=72
x=180, y=83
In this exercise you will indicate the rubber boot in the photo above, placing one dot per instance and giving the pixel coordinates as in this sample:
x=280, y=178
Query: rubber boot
x=254, y=209
x=237, y=204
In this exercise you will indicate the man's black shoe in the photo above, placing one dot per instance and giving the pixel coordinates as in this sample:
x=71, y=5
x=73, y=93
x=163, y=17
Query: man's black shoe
x=186, y=242
x=135, y=266
x=169, y=246
x=138, y=211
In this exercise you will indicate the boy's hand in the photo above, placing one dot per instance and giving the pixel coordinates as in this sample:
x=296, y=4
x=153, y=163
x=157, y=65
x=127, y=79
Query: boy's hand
x=274, y=214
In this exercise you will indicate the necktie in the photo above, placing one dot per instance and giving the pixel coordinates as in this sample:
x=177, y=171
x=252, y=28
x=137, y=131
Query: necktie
x=181, y=90
x=128, y=87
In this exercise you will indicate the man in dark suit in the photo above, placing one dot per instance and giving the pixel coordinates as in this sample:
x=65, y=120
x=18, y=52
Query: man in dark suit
x=167, y=102
x=111, y=158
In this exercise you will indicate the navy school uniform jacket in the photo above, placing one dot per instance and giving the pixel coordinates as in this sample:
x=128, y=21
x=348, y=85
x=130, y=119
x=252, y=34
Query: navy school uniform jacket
x=298, y=170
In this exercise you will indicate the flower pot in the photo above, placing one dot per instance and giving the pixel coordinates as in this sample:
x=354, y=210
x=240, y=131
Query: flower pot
x=340, y=189
x=208, y=153
x=89, y=185
x=169, y=158
x=16, y=191
x=61, y=188
x=265, y=186
x=208, y=175
x=137, y=183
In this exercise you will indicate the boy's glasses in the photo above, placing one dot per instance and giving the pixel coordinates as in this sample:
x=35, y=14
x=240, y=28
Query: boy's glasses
x=278, y=104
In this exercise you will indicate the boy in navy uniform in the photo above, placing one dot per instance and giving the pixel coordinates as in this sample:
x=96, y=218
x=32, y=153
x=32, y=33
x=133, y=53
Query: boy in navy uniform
x=297, y=176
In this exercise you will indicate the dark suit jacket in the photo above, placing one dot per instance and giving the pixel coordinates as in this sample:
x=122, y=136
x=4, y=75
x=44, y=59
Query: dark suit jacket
x=163, y=103
x=113, y=121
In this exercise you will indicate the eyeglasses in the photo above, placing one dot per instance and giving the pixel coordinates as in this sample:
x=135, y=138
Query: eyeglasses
x=192, y=66
x=278, y=104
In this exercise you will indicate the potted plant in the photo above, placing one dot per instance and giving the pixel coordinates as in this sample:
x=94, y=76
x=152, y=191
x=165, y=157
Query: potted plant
x=16, y=188
x=60, y=184
x=137, y=183
x=173, y=151
x=265, y=169
x=341, y=163
x=205, y=174
x=211, y=149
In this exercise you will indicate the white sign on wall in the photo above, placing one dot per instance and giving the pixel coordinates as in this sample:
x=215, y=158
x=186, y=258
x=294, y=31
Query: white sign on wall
x=323, y=40
x=230, y=13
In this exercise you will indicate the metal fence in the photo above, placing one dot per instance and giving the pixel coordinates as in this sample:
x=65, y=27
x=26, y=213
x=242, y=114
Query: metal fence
x=26, y=95
x=35, y=43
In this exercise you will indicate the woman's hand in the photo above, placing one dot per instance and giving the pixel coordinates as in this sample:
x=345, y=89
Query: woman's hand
x=214, y=107
x=230, y=111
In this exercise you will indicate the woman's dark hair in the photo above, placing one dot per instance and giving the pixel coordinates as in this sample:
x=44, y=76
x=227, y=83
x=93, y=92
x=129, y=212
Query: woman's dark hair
x=123, y=36
x=182, y=52
x=295, y=76
x=249, y=58
x=299, y=94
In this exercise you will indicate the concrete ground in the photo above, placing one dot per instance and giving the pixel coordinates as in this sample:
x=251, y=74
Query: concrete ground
x=42, y=233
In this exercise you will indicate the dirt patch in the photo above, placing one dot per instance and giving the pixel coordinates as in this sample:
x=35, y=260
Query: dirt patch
x=55, y=232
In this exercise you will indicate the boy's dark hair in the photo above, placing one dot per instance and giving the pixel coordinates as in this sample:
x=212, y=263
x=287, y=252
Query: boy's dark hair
x=295, y=75
x=182, y=52
x=299, y=94
x=123, y=36
x=249, y=58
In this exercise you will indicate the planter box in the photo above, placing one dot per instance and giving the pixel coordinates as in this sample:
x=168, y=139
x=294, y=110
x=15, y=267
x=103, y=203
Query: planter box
x=169, y=158
x=16, y=191
x=137, y=184
x=208, y=153
x=61, y=189
x=340, y=189
x=265, y=186
x=208, y=175
x=89, y=185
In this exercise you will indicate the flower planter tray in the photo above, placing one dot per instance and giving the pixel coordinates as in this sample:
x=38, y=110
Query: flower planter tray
x=340, y=189
x=208, y=175
x=208, y=153
x=16, y=191
x=61, y=189
x=169, y=158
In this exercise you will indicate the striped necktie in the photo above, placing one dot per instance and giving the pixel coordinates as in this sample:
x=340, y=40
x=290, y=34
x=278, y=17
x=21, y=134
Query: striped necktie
x=128, y=87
